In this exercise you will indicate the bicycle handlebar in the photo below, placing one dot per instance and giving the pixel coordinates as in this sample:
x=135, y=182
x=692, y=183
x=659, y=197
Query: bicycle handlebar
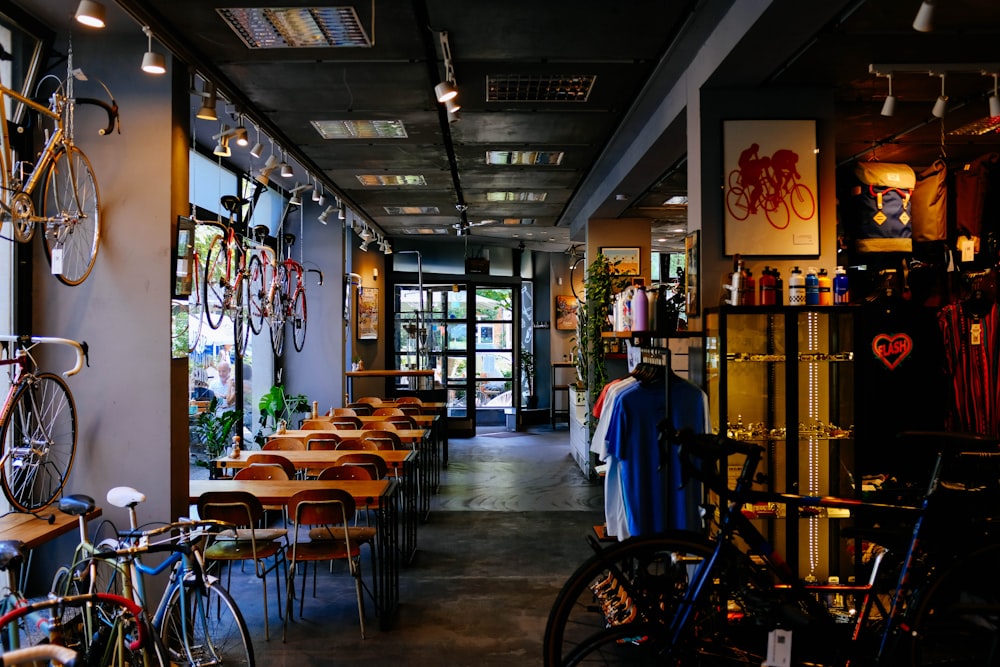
x=110, y=109
x=175, y=525
x=130, y=606
x=82, y=349
x=40, y=653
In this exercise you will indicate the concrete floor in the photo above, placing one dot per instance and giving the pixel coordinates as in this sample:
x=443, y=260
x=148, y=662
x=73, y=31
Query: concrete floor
x=505, y=531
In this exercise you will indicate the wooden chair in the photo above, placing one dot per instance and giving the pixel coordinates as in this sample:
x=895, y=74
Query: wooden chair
x=268, y=467
x=361, y=409
x=374, y=401
x=326, y=442
x=284, y=444
x=386, y=412
x=402, y=421
x=408, y=400
x=270, y=459
x=245, y=542
x=383, y=439
x=357, y=444
x=346, y=423
x=378, y=426
x=345, y=472
x=343, y=412
x=375, y=464
x=411, y=409
x=327, y=514
x=318, y=424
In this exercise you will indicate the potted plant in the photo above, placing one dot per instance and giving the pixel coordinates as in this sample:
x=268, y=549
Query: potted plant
x=600, y=286
x=528, y=373
x=214, y=430
x=275, y=405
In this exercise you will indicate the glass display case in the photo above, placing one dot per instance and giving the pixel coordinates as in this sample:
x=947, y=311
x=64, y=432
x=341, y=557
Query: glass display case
x=784, y=377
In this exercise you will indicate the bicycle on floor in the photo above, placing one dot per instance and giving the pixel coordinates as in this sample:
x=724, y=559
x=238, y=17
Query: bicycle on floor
x=70, y=205
x=37, y=424
x=196, y=618
x=929, y=594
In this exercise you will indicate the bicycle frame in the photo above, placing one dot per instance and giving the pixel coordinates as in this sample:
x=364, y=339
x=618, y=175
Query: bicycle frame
x=56, y=138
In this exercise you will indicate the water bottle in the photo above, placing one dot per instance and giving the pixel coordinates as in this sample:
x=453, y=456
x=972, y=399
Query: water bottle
x=825, y=288
x=748, y=289
x=812, y=286
x=768, y=287
x=640, y=313
x=796, y=288
x=841, y=295
x=779, y=287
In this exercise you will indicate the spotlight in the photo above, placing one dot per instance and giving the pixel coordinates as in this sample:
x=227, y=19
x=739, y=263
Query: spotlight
x=388, y=248
x=325, y=215
x=452, y=105
x=341, y=214
x=222, y=148
x=152, y=62
x=296, y=200
x=241, y=135
x=924, y=22
x=364, y=246
x=366, y=234
x=941, y=104
x=286, y=169
x=90, y=13
x=257, y=150
x=445, y=91
x=889, y=106
x=316, y=193
x=207, y=110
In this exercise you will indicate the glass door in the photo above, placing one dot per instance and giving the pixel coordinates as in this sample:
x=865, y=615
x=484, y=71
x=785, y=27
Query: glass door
x=494, y=351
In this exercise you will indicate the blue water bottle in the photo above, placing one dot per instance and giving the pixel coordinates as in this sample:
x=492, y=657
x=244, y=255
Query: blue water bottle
x=812, y=286
x=841, y=294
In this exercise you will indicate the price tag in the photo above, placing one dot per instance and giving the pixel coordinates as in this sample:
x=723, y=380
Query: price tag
x=779, y=648
x=57, y=261
x=968, y=248
x=976, y=334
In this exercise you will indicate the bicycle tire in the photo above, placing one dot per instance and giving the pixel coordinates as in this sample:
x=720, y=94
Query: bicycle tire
x=578, y=628
x=298, y=319
x=258, y=295
x=39, y=442
x=241, y=316
x=738, y=203
x=802, y=201
x=955, y=621
x=219, y=635
x=196, y=307
x=776, y=212
x=71, y=197
x=216, y=284
x=277, y=328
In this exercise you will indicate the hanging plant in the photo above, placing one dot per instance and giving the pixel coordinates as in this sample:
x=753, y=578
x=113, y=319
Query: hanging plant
x=601, y=285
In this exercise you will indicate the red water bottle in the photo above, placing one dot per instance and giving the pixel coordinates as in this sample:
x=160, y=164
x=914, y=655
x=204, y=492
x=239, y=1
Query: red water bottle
x=768, y=288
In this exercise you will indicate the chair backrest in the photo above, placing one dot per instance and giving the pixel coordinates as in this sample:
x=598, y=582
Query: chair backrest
x=345, y=472
x=346, y=423
x=411, y=409
x=361, y=408
x=268, y=458
x=385, y=412
x=383, y=439
x=328, y=441
x=344, y=412
x=357, y=444
x=313, y=507
x=317, y=424
x=370, y=400
x=284, y=444
x=374, y=463
x=378, y=426
x=408, y=400
x=239, y=508
x=402, y=421
x=262, y=471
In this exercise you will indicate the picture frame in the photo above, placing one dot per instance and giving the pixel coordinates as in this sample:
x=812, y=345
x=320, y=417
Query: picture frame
x=770, y=185
x=368, y=313
x=567, y=312
x=184, y=258
x=692, y=250
x=626, y=260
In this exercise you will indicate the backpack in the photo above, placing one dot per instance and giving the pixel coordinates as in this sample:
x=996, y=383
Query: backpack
x=880, y=214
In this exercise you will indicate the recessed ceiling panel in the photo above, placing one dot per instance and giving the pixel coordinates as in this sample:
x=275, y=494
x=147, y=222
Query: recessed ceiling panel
x=296, y=27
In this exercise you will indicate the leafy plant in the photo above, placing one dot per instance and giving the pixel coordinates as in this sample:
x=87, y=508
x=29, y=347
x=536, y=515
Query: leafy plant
x=215, y=430
x=528, y=370
x=276, y=405
x=600, y=286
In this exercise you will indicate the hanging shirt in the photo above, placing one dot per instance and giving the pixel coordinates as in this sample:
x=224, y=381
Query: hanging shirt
x=614, y=507
x=971, y=349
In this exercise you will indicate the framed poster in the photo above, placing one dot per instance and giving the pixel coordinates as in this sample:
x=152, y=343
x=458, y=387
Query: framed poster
x=368, y=313
x=627, y=260
x=770, y=187
x=691, y=300
x=566, y=312
x=184, y=265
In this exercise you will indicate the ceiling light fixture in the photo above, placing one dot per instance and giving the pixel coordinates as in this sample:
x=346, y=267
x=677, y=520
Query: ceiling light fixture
x=341, y=213
x=90, y=13
x=152, y=62
x=452, y=106
x=316, y=194
x=286, y=169
x=446, y=90
x=222, y=147
x=241, y=134
x=388, y=249
x=207, y=110
x=941, y=103
x=366, y=234
x=325, y=215
x=889, y=106
x=924, y=21
x=364, y=246
x=258, y=148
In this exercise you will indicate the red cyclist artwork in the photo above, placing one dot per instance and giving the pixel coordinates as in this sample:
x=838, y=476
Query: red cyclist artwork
x=769, y=184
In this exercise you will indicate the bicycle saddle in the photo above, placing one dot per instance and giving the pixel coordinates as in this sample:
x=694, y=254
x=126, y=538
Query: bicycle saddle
x=260, y=231
x=232, y=203
x=11, y=553
x=76, y=504
x=125, y=496
x=289, y=239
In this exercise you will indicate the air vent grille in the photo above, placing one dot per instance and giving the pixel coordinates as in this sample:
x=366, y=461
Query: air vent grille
x=296, y=27
x=539, y=88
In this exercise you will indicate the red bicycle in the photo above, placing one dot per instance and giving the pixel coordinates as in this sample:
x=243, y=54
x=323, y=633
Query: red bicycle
x=226, y=284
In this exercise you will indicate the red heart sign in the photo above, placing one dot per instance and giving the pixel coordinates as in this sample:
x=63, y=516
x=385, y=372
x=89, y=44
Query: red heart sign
x=892, y=349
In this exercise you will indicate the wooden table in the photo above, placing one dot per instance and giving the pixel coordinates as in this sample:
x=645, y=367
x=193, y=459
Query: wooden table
x=419, y=375
x=404, y=461
x=377, y=494
x=33, y=531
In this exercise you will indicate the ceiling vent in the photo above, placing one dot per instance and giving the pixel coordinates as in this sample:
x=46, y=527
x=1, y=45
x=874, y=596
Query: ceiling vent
x=412, y=210
x=296, y=27
x=360, y=129
x=539, y=88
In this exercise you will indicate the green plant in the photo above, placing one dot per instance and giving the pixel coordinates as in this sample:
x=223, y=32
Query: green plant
x=276, y=405
x=528, y=370
x=215, y=430
x=600, y=286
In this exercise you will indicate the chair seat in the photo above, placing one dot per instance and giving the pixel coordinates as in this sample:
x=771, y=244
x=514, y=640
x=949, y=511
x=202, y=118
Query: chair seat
x=325, y=550
x=359, y=534
x=241, y=549
x=261, y=534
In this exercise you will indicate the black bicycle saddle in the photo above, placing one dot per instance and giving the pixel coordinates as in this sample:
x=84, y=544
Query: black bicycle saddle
x=232, y=203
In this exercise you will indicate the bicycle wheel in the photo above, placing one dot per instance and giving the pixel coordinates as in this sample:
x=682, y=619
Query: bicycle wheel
x=298, y=319
x=802, y=201
x=956, y=621
x=216, y=283
x=216, y=633
x=196, y=307
x=241, y=316
x=39, y=442
x=72, y=213
x=737, y=203
x=277, y=326
x=617, y=606
x=258, y=295
x=776, y=211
